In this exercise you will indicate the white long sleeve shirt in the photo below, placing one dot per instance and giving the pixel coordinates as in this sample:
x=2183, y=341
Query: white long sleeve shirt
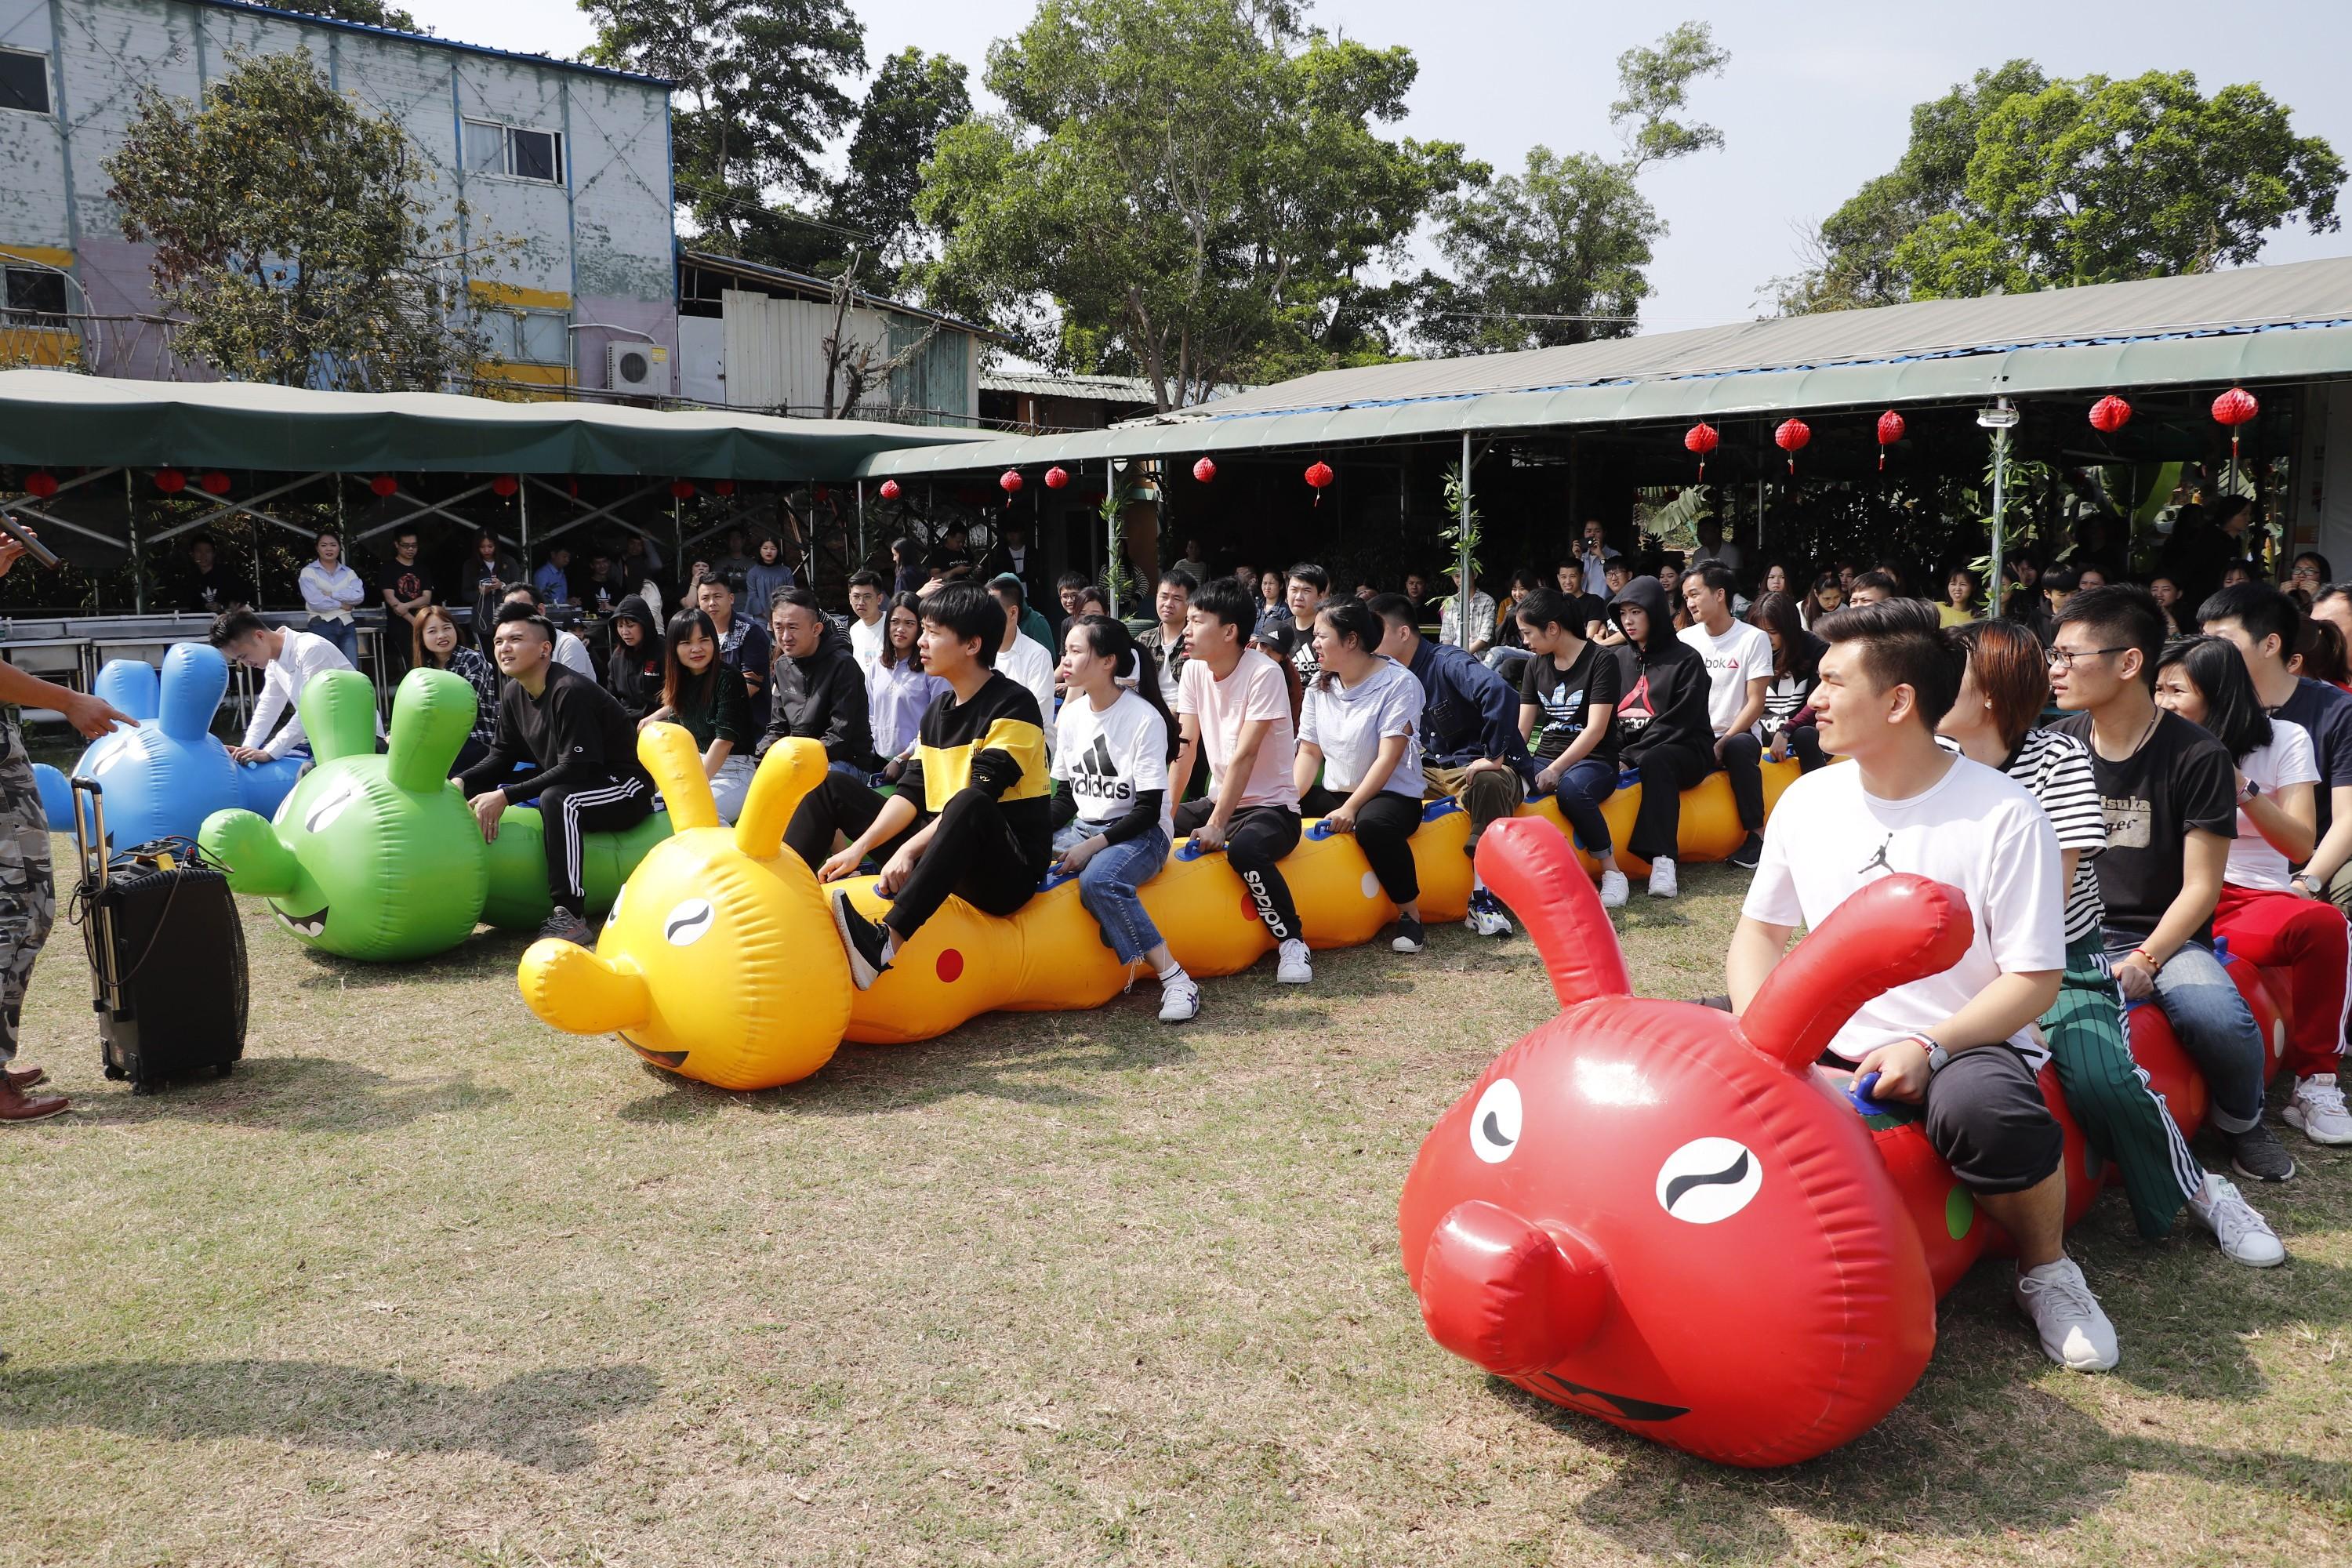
x=301, y=656
x=331, y=595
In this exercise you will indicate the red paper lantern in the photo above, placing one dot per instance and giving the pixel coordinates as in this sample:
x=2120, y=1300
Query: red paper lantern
x=2109, y=415
x=171, y=481
x=1791, y=436
x=1320, y=474
x=384, y=485
x=215, y=483
x=1204, y=470
x=1057, y=477
x=681, y=490
x=890, y=490
x=1009, y=482
x=1701, y=438
x=2235, y=406
x=724, y=488
x=505, y=485
x=41, y=483
x=571, y=488
x=1890, y=430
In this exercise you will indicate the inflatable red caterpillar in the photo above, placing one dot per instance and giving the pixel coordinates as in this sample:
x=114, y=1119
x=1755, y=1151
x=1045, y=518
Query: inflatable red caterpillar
x=1670, y=1218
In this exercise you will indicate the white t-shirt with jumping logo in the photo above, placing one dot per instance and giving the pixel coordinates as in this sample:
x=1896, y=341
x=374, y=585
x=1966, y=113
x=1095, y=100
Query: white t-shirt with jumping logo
x=1107, y=757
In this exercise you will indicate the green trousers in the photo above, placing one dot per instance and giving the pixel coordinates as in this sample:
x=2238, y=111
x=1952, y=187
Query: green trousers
x=2124, y=1118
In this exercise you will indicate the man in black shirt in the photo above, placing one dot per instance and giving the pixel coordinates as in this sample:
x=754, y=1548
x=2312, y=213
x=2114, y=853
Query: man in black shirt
x=212, y=587
x=2169, y=791
x=588, y=779
x=405, y=588
x=820, y=692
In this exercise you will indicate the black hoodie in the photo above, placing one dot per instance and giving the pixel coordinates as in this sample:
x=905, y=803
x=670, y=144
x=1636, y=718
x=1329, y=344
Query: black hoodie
x=634, y=675
x=1664, y=679
x=822, y=697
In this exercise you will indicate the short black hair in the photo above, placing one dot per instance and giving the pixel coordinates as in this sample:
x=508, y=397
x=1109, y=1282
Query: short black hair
x=523, y=590
x=1719, y=578
x=797, y=596
x=231, y=625
x=511, y=614
x=1903, y=644
x=1069, y=580
x=1177, y=577
x=972, y=613
x=1009, y=585
x=866, y=577
x=1884, y=580
x=2120, y=614
x=712, y=577
x=1314, y=576
x=1226, y=599
x=2262, y=609
x=1395, y=609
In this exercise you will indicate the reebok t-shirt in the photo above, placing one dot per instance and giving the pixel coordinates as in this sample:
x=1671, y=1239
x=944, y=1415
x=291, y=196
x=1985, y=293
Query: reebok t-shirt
x=1739, y=656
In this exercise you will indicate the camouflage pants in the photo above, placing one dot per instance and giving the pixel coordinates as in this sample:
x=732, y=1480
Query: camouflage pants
x=28, y=894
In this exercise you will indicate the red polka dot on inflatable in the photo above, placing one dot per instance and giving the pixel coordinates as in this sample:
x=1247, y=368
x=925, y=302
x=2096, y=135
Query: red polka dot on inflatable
x=1249, y=907
x=950, y=967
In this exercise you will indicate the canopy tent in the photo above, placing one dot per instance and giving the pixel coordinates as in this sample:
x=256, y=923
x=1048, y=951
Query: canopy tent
x=55, y=419
x=2262, y=324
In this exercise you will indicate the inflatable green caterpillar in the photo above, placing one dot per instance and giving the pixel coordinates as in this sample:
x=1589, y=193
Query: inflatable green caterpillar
x=375, y=856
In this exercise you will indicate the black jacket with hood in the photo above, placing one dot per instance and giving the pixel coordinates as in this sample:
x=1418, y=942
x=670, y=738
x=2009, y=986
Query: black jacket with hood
x=1664, y=674
x=822, y=697
x=634, y=675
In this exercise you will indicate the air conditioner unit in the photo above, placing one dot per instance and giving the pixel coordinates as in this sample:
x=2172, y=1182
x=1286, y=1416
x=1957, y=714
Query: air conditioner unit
x=639, y=368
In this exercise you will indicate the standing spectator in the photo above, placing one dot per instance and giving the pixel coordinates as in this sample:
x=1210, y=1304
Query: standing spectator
x=212, y=587
x=1662, y=730
x=1360, y=725
x=768, y=575
x=1016, y=554
x=1787, y=730
x=702, y=695
x=330, y=591
x=554, y=579
x=1738, y=659
x=1233, y=707
x=1598, y=552
x=1713, y=546
x=1164, y=639
x=742, y=641
x=594, y=784
x=950, y=552
x=908, y=572
x=633, y=672
x=898, y=689
x=494, y=575
x=820, y=691
x=1567, y=708
x=439, y=645
x=289, y=661
x=405, y=587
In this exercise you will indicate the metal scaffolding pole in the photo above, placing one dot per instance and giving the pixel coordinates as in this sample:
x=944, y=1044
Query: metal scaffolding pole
x=1464, y=585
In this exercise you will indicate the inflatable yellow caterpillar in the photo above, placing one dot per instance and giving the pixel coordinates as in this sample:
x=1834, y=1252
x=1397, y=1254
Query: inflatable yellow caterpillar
x=719, y=960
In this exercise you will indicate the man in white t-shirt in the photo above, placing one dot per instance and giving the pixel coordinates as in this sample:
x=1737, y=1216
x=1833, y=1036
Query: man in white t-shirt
x=1739, y=672
x=866, y=630
x=1960, y=1044
x=1024, y=659
x=288, y=660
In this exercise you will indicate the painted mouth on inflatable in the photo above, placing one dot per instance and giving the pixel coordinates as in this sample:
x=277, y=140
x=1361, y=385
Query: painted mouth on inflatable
x=659, y=1058
x=304, y=925
x=1623, y=1404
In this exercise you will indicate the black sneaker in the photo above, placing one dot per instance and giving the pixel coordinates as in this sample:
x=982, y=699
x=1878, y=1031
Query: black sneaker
x=1408, y=935
x=864, y=939
x=2256, y=1153
x=1749, y=854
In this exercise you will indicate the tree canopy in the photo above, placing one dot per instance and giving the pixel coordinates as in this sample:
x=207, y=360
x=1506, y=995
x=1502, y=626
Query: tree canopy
x=912, y=100
x=291, y=234
x=2014, y=182
x=1190, y=191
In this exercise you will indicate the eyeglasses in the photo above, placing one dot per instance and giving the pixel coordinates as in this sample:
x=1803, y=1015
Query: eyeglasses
x=2058, y=657
x=2310, y=572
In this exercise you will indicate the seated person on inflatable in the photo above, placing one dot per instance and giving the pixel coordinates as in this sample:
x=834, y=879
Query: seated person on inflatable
x=1569, y=688
x=289, y=661
x=971, y=816
x=2172, y=811
x=588, y=779
x=1471, y=747
x=1738, y=659
x=1663, y=730
x=1360, y=725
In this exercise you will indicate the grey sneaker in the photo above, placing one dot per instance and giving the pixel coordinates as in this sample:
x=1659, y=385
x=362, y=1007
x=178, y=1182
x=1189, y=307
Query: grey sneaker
x=2066, y=1317
x=2245, y=1236
x=565, y=926
x=2257, y=1153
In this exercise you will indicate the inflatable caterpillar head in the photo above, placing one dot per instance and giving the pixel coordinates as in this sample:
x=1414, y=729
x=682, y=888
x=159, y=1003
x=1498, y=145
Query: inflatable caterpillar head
x=164, y=778
x=372, y=857
x=718, y=960
x=1659, y=1215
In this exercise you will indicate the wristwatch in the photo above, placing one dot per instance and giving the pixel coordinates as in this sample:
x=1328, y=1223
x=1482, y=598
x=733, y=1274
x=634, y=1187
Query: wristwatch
x=2252, y=790
x=1938, y=1058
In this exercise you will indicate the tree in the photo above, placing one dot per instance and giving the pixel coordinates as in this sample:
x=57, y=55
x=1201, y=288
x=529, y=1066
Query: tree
x=759, y=97
x=854, y=361
x=2014, y=182
x=375, y=13
x=1559, y=254
x=291, y=234
x=1182, y=190
x=913, y=97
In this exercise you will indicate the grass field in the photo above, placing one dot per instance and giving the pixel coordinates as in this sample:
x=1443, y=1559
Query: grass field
x=428, y=1283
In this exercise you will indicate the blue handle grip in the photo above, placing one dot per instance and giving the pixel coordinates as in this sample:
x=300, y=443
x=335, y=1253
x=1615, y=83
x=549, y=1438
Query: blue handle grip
x=1188, y=850
x=1321, y=828
x=1858, y=1092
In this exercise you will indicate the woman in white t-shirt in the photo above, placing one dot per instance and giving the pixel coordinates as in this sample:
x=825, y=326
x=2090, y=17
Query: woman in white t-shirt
x=1359, y=724
x=1114, y=740
x=2204, y=680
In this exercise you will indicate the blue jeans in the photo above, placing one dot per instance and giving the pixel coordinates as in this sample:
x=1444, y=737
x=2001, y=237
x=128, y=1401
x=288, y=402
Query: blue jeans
x=343, y=634
x=2213, y=1024
x=1579, y=791
x=1108, y=888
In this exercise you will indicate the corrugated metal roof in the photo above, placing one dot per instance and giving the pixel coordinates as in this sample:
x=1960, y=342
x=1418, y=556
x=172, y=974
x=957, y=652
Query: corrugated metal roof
x=1101, y=389
x=2253, y=324
x=761, y=272
x=549, y=60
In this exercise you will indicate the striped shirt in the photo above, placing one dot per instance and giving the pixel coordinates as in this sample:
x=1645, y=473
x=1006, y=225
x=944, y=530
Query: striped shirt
x=2055, y=770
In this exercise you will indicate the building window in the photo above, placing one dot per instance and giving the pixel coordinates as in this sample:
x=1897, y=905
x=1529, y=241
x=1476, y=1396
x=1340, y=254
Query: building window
x=32, y=297
x=24, y=81
x=532, y=337
x=514, y=152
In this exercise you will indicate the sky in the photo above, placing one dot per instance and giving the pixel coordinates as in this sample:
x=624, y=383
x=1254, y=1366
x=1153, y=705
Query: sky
x=1817, y=97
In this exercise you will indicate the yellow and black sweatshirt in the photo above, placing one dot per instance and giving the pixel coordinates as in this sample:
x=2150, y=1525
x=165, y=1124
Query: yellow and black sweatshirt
x=994, y=743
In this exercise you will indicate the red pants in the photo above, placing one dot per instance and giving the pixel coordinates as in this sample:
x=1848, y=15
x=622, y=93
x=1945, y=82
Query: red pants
x=2306, y=940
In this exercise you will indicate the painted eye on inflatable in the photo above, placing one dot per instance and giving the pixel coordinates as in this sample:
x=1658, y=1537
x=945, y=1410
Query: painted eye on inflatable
x=615, y=912
x=337, y=802
x=1494, y=1122
x=1709, y=1179
x=688, y=922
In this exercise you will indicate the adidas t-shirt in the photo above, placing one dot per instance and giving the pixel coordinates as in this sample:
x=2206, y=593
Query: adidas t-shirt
x=1107, y=757
x=1567, y=696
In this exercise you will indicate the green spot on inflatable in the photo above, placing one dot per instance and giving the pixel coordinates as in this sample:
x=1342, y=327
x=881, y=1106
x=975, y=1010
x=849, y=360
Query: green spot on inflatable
x=375, y=856
x=1960, y=1210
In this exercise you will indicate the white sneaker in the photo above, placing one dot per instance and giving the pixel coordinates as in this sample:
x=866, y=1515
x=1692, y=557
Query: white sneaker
x=2318, y=1107
x=1662, y=879
x=1613, y=889
x=1293, y=968
x=2245, y=1236
x=1486, y=916
x=2074, y=1332
x=1180, y=1000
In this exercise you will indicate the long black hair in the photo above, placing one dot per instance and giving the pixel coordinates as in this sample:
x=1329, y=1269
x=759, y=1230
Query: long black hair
x=889, y=657
x=1130, y=660
x=677, y=694
x=2232, y=712
x=1799, y=653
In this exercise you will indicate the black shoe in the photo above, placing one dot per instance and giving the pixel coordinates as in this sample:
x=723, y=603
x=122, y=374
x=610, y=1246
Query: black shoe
x=2256, y=1153
x=1409, y=935
x=1750, y=854
x=866, y=942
